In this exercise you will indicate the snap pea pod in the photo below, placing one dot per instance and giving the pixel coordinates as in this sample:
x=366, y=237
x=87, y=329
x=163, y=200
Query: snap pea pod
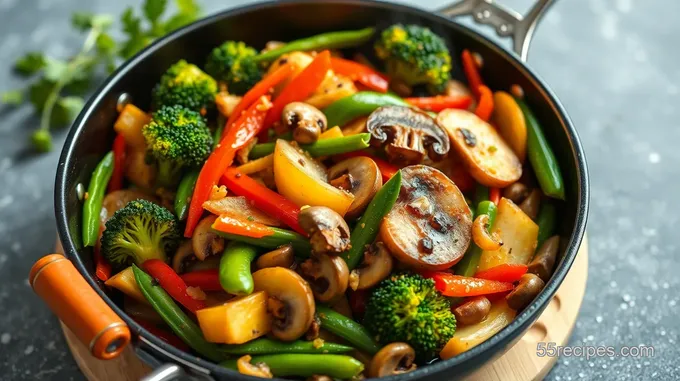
x=359, y=104
x=331, y=40
x=546, y=222
x=367, y=227
x=468, y=265
x=347, y=328
x=184, y=192
x=266, y=346
x=179, y=322
x=541, y=156
x=323, y=147
x=94, y=198
x=305, y=365
x=234, y=273
x=279, y=238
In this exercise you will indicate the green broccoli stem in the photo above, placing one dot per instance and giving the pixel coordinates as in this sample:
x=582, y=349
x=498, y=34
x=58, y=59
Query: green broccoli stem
x=168, y=174
x=323, y=147
x=347, y=328
x=332, y=40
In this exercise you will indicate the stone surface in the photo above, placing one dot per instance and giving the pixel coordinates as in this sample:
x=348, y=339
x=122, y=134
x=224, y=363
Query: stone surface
x=612, y=63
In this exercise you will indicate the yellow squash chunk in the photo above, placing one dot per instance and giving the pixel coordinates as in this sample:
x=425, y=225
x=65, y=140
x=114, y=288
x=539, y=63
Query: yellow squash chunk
x=331, y=89
x=125, y=282
x=237, y=321
x=517, y=232
x=303, y=180
x=488, y=158
x=509, y=119
x=130, y=123
x=469, y=336
x=331, y=133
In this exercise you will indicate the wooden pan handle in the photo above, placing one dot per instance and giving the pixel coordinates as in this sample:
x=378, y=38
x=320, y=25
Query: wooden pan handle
x=70, y=297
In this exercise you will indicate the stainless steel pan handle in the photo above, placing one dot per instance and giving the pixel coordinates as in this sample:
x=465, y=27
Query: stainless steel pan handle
x=506, y=21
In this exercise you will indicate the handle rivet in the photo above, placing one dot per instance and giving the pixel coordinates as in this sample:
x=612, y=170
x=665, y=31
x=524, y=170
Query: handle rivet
x=80, y=191
x=123, y=100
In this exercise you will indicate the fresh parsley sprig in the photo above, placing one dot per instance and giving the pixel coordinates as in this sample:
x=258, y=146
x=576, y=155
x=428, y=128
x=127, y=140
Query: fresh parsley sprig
x=59, y=85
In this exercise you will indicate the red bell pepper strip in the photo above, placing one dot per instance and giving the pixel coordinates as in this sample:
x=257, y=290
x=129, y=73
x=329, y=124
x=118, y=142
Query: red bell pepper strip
x=228, y=224
x=485, y=105
x=172, y=283
x=387, y=170
x=441, y=102
x=363, y=74
x=261, y=88
x=461, y=286
x=102, y=267
x=116, y=181
x=263, y=198
x=163, y=335
x=244, y=129
x=471, y=73
x=495, y=195
x=503, y=273
x=300, y=87
x=206, y=280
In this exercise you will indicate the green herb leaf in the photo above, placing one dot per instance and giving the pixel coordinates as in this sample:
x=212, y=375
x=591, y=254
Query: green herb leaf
x=153, y=9
x=82, y=20
x=55, y=69
x=101, y=21
x=39, y=91
x=106, y=45
x=188, y=7
x=30, y=63
x=66, y=110
x=41, y=140
x=177, y=21
x=12, y=97
x=132, y=25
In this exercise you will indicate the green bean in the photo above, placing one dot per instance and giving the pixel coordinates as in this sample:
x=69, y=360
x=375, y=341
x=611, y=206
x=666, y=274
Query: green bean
x=346, y=328
x=541, y=156
x=323, y=147
x=305, y=365
x=94, y=199
x=546, y=221
x=367, y=227
x=179, y=322
x=266, y=346
x=184, y=192
x=358, y=104
x=279, y=238
x=468, y=265
x=332, y=40
x=235, y=275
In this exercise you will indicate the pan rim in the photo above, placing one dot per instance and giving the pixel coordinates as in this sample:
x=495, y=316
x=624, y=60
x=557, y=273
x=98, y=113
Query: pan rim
x=484, y=350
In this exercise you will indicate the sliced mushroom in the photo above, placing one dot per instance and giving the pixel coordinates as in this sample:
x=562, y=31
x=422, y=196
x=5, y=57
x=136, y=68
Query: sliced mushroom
x=408, y=135
x=327, y=275
x=291, y=301
x=429, y=226
x=256, y=370
x=516, y=192
x=530, y=285
x=280, y=257
x=328, y=231
x=359, y=176
x=531, y=204
x=306, y=121
x=184, y=257
x=473, y=311
x=376, y=266
x=314, y=329
x=392, y=359
x=205, y=241
x=488, y=158
x=486, y=240
x=544, y=260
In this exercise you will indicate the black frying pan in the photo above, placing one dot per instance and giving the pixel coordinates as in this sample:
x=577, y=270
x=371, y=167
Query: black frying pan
x=91, y=137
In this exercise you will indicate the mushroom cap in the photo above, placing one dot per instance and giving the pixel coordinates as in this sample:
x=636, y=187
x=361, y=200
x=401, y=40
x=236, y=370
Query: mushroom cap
x=328, y=231
x=359, y=176
x=283, y=256
x=429, y=227
x=394, y=358
x=205, y=241
x=377, y=265
x=183, y=257
x=409, y=135
x=296, y=297
x=328, y=276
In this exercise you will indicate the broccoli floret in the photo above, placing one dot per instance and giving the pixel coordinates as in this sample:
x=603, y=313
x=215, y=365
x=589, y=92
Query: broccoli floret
x=186, y=85
x=415, y=55
x=407, y=308
x=176, y=138
x=231, y=63
x=139, y=231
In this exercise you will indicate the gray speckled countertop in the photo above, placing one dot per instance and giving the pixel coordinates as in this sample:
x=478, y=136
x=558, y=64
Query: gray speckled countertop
x=613, y=63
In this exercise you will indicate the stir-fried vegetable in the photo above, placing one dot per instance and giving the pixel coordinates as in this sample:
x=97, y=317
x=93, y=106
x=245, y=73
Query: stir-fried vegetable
x=94, y=199
x=235, y=276
x=361, y=103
